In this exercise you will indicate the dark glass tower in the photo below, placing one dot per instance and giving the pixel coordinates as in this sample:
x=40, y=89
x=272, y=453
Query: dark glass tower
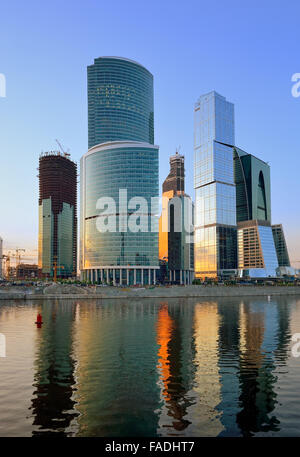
x=253, y=187
x=281, y=246
x=120, y=101
x=57, y=215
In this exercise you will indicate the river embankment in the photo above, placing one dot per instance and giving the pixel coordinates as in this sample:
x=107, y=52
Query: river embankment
x=66, y=291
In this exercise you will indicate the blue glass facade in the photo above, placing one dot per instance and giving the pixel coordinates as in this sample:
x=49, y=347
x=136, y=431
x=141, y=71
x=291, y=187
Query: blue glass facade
x=120, y=101
x=257, y=255
x=121, y=158
x=215, y=205
x=105, y=170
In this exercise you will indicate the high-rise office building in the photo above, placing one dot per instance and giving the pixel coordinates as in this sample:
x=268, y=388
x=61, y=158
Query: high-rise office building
x=176, y=245
x=256, y=249
x=120, y=101
x=215, y=204
x=253, y=187
x=57, y=215
x=121, y=165
x=281, y=246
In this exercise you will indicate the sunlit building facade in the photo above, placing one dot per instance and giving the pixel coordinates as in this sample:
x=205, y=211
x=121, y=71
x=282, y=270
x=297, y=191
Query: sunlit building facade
x=215, y=203
x=256, y=250
x=176, y=243
x=121, y=165
x=57, y=243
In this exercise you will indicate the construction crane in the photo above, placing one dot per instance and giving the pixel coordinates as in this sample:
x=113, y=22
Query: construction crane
x=65, y=153
x=55, y=268
x=7, y=264
x=18, y=255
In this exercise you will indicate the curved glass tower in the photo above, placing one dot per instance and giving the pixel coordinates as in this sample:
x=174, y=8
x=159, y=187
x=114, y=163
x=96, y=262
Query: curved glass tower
x=119, y=176
x=120, y=101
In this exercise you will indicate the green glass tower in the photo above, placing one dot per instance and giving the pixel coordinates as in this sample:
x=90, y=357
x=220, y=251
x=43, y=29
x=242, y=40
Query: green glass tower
x=253, y=187
x=281, y=246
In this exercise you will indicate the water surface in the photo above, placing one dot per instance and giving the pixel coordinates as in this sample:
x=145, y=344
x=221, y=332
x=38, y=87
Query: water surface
x=150, y=368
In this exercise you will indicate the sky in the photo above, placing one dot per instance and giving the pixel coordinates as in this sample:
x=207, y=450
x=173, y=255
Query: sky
x=247, y=51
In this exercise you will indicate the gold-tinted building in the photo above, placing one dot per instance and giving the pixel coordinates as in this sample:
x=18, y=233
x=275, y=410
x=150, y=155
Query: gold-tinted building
x=176, y=248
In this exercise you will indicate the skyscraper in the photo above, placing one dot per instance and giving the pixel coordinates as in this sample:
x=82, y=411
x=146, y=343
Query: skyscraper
x=57, y=215
x=253, y=187
x=120, y=101
x=215, y=204
x=256, y=249
x=175, y=225
x=281, y=246
x=174, y=182
x=121, y=164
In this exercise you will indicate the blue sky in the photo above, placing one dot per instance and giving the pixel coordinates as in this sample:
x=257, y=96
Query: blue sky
x=247, y=51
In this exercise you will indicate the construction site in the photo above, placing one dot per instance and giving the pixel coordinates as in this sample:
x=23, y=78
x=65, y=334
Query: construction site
x=17, y=264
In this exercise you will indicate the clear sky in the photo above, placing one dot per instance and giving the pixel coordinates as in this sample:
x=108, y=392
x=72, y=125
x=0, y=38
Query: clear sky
x=246, y=51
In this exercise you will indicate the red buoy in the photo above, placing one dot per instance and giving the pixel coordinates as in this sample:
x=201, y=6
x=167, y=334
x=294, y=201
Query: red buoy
x=39, y=320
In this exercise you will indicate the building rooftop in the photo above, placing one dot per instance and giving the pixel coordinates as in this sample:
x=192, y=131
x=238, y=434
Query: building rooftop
x=122, y=58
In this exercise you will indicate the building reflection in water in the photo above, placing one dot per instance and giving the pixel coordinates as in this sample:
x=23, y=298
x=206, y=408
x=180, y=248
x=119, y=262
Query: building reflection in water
x=228, y=355
x=207, y=386
x=175, y=367
x=117, y=392
x=263, y=331
x=53, y=406
x=229, y=363
x=181, y=368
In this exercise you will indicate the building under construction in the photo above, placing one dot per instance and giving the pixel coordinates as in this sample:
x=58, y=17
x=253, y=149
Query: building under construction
x=57, y=215
x=26, y=271
x=176, y=248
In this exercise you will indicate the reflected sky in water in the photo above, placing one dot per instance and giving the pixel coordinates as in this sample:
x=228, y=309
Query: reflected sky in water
x=150, y=368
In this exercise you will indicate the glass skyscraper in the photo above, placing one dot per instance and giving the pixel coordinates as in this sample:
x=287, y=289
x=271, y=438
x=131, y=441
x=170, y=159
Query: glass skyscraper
x=253, y=187
x=121, y=164
x=256, y=249
x=120, y=101
x=281, y=246
x=215, y=203
x=257, y=245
